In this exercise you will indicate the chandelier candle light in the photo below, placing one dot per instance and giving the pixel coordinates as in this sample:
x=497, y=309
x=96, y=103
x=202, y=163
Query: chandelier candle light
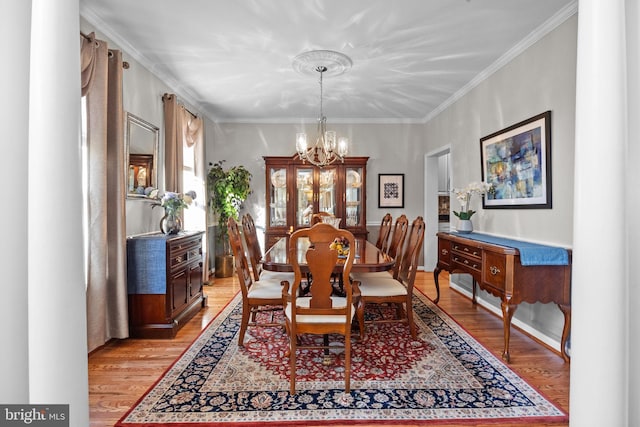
x=327, y=148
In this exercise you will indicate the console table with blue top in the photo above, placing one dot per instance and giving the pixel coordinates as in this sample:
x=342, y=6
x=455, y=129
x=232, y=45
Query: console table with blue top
x=513, y=270
x=164, y=282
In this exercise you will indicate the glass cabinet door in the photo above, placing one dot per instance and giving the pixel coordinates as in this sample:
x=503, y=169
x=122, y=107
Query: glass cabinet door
x=327, y=191
x=353, y=197
x=278, y=197
x=304, y=201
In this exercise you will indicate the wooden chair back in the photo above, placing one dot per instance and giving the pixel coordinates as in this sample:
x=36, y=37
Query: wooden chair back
x=383, y=235
x=321, y=260
x=240, y=259
x=253, y=245
x=396, y=242
x=411, y=255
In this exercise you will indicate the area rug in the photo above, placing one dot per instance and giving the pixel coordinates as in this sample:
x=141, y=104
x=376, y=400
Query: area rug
x=443, y=376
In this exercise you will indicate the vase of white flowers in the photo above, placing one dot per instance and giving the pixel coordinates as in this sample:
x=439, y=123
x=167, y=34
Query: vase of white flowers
x=173, y=204
x=464, y=197
x=170, y=223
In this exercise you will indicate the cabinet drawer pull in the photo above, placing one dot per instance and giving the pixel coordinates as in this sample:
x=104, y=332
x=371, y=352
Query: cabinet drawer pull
x=178, y=259
x=445, y=252
x=494, y=270
x=466, y=249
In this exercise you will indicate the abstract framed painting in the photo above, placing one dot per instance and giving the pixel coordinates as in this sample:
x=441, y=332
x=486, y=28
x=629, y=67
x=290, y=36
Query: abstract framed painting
x=516, y=161
x=391, y=190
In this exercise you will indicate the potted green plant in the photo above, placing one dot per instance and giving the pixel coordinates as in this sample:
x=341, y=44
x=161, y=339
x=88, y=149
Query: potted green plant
x=228, y=189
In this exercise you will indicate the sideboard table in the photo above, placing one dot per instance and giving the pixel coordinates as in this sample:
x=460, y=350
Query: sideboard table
x=164, y=282
x=515, y=271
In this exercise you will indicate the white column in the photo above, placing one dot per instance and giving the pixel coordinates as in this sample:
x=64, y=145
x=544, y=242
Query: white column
x=633, y=206
x=15, y=16
x=57, y=300
x=599, y=286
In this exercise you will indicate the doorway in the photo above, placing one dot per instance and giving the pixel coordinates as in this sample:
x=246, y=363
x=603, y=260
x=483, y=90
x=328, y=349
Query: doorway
x=437, y=178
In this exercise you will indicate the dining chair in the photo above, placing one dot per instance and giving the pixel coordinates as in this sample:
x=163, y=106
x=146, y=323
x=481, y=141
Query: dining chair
x=397, y=291
x=394, y=250
x=320, y=312
x=255, y=253
x=317, y=217
x=263, y=295
x=383, y=234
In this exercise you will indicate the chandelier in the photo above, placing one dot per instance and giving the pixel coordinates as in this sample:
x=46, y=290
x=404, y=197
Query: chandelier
x=327, y=148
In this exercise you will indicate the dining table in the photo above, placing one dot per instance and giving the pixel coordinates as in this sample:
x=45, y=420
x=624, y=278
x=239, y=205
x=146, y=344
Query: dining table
x=368, y=258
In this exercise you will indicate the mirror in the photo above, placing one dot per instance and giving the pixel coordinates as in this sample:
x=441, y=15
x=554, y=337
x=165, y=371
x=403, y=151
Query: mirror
x=141, y=142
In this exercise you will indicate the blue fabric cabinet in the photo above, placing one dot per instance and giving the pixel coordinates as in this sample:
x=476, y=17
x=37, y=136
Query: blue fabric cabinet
x=164, y=282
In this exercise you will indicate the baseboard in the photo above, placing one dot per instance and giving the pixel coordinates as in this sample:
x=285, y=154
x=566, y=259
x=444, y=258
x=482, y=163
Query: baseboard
x=526, y=328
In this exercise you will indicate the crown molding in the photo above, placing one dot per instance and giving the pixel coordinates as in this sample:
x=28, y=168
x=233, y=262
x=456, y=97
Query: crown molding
x=552, y=23
x=175, y=86
x=310, y=121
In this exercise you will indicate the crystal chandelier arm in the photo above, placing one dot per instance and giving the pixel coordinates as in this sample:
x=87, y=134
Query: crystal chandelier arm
x=301, y=143
x=327, y=148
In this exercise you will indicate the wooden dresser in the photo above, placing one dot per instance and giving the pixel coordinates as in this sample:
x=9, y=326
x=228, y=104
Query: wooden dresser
x=164, y=282
x=498, y=270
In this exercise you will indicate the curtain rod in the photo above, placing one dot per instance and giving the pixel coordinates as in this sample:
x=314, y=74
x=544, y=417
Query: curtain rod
x=189, y=111
x=125, y=64
x=181, y=104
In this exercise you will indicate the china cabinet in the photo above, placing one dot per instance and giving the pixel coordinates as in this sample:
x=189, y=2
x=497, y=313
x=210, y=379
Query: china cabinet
x=295, y=190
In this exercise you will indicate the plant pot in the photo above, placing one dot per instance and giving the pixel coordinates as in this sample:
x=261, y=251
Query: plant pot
x=224, y=265
x=465, y=226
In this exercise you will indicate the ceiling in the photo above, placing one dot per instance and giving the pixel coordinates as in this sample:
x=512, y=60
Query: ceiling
x=232, y=59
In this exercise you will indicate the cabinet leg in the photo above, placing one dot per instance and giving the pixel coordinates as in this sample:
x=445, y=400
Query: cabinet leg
x=436, y=273
x=475, y=285
x=507, y=314
x=566, y=310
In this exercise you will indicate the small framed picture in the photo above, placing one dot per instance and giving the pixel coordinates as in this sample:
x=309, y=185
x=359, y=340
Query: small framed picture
x=391, y=190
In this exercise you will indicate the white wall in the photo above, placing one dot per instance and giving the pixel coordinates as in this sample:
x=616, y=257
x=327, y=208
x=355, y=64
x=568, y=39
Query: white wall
x=392, y=148
x=540, y=79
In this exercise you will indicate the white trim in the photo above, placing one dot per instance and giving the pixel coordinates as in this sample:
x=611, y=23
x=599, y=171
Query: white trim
x=548, y=26
x=330, y=120
x=551, y=342
x=175, y=85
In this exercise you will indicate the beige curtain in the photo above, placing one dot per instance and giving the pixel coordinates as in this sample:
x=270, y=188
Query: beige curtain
x=182, y=128
x=106, y=287
x=173, y=140
x=193, y=136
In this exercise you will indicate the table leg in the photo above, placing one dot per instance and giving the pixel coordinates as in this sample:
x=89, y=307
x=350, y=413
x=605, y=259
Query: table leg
x=507, y=313
x=566, y=310
x=436, y=273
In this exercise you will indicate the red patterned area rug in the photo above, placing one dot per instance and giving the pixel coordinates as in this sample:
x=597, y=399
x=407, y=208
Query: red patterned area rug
x=444, y=376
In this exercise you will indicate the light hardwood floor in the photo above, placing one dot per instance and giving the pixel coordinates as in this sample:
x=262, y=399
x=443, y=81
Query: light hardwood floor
x=122, y=371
